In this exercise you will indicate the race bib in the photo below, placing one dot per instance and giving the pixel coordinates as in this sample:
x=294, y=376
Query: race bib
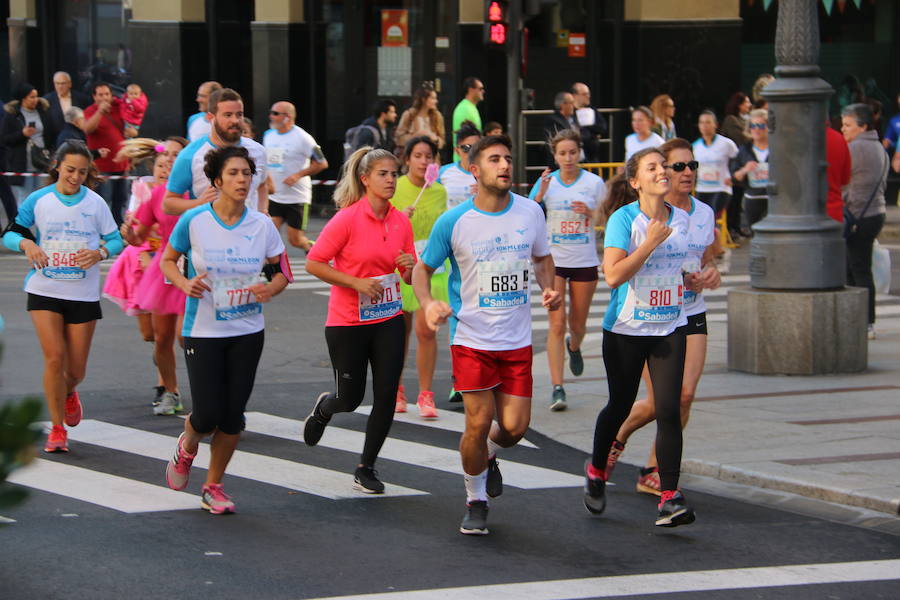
x=708, y=174
x=503, y=284
x=61, y=264
x=275, y=159
x=692, y=265
x=568, y=227
x=420, y=248
x=232, y=298
x=759, y=177
x=388, y=304
x=657, y=299
x=180, y=263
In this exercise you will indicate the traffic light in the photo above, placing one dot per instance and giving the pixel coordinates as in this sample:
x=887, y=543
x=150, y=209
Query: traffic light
x=496, y=23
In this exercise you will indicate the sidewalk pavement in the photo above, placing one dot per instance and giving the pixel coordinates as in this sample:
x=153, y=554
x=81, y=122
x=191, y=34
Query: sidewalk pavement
x=834, y=438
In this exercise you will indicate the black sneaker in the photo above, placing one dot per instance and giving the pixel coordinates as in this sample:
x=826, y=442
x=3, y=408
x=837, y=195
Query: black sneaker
x=454, y=396
x=576, y=362
x=594, y=492
x=558, y=399
x=674, y=512
x=158, y=390
x=315, y=422
x=475, y=521
x=365, y=479
x=494, y=478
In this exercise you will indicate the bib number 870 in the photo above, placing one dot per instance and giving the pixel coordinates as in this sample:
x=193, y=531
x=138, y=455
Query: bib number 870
x=508, y=282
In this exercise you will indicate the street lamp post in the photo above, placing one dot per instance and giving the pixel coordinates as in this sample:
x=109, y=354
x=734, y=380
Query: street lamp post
x=797, y=317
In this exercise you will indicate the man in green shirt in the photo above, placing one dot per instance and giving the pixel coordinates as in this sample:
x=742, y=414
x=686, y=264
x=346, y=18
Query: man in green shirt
x=467, y=109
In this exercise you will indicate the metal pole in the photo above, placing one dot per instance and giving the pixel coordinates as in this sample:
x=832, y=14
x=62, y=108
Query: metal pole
x=514, y=83
x=797, y=246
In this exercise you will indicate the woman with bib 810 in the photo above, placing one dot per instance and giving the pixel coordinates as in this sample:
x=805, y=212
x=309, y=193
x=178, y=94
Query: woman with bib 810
x=423, y=204
x=227, y=247
x=75, y=231
x=645, y=245
x=371, y=245
x=571, y=196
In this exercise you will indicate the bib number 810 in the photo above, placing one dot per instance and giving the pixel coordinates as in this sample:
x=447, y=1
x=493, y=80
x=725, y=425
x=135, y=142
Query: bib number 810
x=660, y=297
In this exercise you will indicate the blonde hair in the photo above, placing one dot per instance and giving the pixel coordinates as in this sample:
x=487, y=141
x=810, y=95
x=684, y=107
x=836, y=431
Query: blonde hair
x=760, y=113
x=657, y=107
x=137, y=150
x=350, y=188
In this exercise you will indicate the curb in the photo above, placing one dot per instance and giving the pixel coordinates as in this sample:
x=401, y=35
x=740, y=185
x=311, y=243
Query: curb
x=883, y=502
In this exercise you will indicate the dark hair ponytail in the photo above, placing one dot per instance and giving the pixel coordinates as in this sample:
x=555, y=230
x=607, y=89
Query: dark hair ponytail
x=618, y=193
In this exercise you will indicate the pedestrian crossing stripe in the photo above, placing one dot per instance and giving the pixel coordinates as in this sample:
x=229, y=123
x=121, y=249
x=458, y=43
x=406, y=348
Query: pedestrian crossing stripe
x=133, y=496
x=515, y=474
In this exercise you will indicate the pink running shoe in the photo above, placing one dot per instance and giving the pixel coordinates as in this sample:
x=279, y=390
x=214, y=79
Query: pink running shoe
x=215, y=500
x=648, y=481
x=426, y=405
x=57, y=440
x=614, y=453
x=73, y=409
x=179, y=468
x=400, y=407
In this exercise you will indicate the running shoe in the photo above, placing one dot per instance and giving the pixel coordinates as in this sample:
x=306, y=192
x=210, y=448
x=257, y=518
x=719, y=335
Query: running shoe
x=215, y=500
x=648, y=482
x=594, y=491
x=73, y=409
x=167, y=405
x=315, y=422
x=178, y=405
x=455, y=396
x=365, y=479
x=57, y=440
x=179, y=468
x=870, y=332
x=475, y=521
x=494, y=478
x=576, y=362
x=425, y=402
x=558, y=399
x=674, y=511
x=158, y=391
x=400, y=406
x=614, y=453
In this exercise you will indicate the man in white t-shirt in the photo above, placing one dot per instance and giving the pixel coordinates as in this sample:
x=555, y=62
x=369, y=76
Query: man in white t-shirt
x=292, y=157
x=198, y=124
x=226, y=110
x=497, y=243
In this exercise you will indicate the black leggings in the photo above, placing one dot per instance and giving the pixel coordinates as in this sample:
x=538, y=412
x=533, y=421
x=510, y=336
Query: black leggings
x=859, y=257
x=624, y=357
x=221, y=372
x=353, y=348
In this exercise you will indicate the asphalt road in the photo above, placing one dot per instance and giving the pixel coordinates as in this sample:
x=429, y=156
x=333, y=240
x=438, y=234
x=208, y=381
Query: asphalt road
x=110, y=529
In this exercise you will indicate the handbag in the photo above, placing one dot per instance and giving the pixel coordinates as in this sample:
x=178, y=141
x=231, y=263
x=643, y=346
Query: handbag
x=40, y=158
x=851, y=222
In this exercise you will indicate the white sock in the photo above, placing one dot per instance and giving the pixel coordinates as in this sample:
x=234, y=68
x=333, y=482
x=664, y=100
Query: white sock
x=492, y=447
x=476, y=486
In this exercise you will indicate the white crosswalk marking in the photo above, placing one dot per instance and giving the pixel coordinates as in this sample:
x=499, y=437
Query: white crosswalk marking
x=515, y=474
x=265, y=469
x=103, y=489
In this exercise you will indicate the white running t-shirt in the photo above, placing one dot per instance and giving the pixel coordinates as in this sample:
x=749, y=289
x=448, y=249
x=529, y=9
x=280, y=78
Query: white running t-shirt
x=634, y=145
x=713, y=159
x=458, y=182
x=286, y=154
x=701, y=233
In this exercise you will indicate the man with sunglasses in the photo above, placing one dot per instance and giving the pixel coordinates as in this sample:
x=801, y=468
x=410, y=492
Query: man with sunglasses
x=467, y=109
x=292, y=157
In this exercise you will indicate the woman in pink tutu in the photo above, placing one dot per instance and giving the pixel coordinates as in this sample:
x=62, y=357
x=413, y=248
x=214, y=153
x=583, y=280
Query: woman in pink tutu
x=154, y=294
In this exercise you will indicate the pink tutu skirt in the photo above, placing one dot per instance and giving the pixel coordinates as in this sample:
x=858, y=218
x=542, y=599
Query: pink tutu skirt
x=123, y=278
x=155, y=295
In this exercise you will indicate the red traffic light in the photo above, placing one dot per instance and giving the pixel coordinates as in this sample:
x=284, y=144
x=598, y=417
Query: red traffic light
x=498, y=33
x=495, y=13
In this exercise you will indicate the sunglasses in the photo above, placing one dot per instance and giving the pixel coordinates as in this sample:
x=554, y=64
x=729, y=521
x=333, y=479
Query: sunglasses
x=757, y=125
x=681, y=166
x=465, y=147
x=275, y=113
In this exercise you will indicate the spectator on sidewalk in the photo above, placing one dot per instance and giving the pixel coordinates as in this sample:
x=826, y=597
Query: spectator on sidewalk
x=467, y=109
x=422, y=118
x=378, y=130
x=62, y=98
x=864, y=206
x=663, y=109
x=105, y=128
x=592, y=122
x=134, y=107
x=74, y=130
x=837, y=154
x=26, y=125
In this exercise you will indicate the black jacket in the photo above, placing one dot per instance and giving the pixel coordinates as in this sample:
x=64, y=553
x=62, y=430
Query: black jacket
x=368, y=137
x=70, y=132
x=79, y=99
x=15, y=141
x=552, y=125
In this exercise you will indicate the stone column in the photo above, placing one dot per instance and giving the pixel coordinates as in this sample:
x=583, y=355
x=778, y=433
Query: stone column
x=798, y=318
x=25, y=47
